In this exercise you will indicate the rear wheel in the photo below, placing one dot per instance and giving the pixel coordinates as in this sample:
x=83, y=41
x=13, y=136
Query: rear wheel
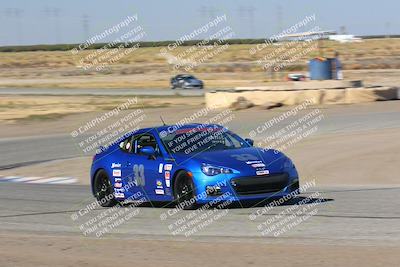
x=184, y=191
x=103, y=190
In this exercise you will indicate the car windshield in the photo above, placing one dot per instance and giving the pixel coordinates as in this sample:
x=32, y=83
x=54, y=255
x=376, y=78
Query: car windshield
x=200, y=139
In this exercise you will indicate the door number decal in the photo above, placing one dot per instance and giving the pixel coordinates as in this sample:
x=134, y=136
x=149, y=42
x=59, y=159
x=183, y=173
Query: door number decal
x=138, y=174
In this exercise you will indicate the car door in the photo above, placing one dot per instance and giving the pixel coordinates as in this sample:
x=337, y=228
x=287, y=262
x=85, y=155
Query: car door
x=149, y=170
x=181, y=82
x=123, y=171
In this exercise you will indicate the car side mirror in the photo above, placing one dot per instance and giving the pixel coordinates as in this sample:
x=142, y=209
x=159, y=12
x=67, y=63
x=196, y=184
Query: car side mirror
x=148, y=150
x=249, y=141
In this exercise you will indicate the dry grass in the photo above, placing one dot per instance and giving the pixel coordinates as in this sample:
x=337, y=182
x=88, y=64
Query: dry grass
x=39, y=108
x=145, y=67
x=376, y=48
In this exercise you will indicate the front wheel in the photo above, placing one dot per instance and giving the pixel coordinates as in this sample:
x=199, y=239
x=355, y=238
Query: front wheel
x=103, y=190
x=184, y=191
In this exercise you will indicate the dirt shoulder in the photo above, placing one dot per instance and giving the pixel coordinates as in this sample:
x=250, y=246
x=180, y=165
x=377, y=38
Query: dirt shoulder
x=25, y=109
x=33, y=250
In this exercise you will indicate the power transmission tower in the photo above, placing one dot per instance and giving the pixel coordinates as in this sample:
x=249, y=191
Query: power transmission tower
x=246, y=13
x=54, y=14
x=279, y=18
x=387, y=28
x=85, y=26
x=343, y=30
x=16, y=13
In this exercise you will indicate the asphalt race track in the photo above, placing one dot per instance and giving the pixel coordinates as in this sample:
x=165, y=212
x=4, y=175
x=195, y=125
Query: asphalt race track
x=333, y=220
x=345, y=215
x=17, y=151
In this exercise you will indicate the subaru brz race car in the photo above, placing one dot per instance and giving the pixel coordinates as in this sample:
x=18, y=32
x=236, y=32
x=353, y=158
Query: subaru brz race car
x=189, y=164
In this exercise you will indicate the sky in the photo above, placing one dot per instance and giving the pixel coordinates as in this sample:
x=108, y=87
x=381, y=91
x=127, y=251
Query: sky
x=25, y=22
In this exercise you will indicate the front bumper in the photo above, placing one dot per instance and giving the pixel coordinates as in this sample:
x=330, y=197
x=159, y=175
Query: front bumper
x=239, y=188
x=192, y=86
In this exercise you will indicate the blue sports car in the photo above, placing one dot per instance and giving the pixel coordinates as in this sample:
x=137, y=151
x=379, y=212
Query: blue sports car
x=189, y=164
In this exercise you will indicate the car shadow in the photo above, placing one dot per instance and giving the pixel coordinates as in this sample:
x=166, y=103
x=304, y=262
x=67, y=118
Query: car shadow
x=273, y=202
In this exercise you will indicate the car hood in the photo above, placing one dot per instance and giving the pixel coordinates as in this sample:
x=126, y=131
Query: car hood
x=193, y=81
x=242, y=159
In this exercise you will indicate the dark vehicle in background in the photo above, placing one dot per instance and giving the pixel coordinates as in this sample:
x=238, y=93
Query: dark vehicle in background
x=296, y=77
x=186, y=81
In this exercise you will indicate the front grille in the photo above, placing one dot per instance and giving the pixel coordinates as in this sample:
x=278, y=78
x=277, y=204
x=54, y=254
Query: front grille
x=260, y=184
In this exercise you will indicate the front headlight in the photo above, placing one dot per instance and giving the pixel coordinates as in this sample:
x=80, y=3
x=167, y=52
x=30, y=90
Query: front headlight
x=212, y=170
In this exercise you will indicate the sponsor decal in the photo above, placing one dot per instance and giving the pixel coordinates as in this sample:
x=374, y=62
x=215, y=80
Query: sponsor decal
x=168, y=167
x=253, y=162
x=167, y=175
x=159, y=184
x=167, y=182
x=118, y=185
x=119, y=190
x=160, y=168
x=117, y=180
x=115, y=165
x=119, y=195
x=159, y=191
x=117, y=173
x=258, y=165
x=263, y=172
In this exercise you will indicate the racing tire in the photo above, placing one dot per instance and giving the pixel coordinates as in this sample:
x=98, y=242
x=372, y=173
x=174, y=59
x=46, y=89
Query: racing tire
x=103, y=190
x=184, y=192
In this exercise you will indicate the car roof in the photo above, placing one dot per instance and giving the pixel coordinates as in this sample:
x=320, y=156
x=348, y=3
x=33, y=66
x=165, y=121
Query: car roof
x=174, y=126
x=163, y=128
x=185, y=126
x=184, y=75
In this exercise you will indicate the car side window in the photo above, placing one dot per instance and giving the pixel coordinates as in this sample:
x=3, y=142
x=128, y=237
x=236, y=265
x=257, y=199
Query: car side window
x=126, y=145
x=145, y=140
